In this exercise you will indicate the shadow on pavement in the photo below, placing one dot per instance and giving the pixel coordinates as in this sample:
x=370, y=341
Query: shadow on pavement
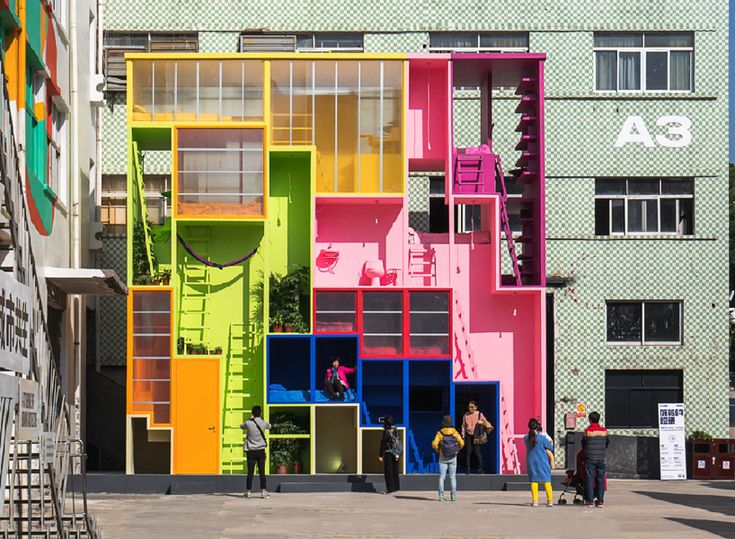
x=505, y=504
x=721, y=485
x=420, y=498
x=722, y=529
x=708, y=502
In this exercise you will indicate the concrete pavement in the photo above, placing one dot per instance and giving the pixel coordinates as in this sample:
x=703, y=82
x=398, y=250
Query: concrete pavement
x=633, y=509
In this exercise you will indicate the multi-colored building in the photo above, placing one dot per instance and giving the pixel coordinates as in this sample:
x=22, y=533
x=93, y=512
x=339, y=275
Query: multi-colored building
x=290, y=245
x=635, y=182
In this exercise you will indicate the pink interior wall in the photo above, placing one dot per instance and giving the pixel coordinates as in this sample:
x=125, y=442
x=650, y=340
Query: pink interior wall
x=428, y=115
x=359, y=232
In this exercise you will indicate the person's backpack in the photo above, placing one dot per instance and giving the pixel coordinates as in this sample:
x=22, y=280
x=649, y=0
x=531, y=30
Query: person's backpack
x=394, y=443
x=449, y=446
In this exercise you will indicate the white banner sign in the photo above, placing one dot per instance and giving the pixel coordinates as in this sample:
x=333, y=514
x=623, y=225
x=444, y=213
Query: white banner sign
x=15, y=324
x=8, y=392
x=672, y=441
x=29, y=429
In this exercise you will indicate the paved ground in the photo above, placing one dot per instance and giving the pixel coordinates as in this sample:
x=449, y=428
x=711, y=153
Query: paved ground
x=633, y=509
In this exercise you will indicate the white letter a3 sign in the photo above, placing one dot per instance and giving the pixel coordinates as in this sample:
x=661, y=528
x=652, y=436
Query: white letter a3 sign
x=677, y=135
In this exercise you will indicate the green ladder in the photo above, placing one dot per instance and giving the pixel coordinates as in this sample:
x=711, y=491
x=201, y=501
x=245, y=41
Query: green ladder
x=239, y=395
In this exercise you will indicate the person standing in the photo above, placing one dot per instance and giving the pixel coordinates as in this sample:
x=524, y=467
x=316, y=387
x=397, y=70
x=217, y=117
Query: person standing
x=595, y=444
x=255, y=445
x=335, y=380
x=474, y=431
x=447, y=443
x=538, y=463
x=389, y=454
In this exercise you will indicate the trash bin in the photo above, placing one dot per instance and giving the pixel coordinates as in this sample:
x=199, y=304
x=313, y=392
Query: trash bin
x=713, y=459
x=724, y=467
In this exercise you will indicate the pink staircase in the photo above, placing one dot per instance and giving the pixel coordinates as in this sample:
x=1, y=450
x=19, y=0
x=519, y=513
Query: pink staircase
x=505, y=223
x=473, y=171
x=464, y=354
x=511, y=462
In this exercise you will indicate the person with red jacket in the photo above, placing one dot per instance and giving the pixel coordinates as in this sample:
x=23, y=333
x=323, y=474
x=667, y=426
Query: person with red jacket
x=595, y=444
x=335, y=380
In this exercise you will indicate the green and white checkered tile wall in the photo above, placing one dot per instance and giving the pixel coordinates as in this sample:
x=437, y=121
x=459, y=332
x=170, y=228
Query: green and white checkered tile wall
x=581, y=129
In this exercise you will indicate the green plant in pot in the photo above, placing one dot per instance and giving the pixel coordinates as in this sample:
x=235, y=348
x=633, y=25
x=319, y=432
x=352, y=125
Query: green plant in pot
x=280, y=456
x=141, y=269
x=289, y=299
x=285, y=424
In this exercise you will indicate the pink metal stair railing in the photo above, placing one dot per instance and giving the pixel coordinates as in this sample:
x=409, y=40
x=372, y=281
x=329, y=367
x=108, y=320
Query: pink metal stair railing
x=505, y=222
x=462, y=338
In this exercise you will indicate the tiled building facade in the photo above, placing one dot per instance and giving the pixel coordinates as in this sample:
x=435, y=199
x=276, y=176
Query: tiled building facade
x=633, y=260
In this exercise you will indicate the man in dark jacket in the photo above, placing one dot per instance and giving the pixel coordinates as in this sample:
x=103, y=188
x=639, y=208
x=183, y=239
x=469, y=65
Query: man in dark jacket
x=595, y=444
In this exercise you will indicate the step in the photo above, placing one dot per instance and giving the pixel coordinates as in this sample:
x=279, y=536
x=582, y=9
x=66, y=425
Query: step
x=517, y=486
x=326, y=486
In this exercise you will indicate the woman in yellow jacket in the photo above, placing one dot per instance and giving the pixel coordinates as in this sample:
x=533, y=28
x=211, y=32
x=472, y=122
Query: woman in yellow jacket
x=447, y=443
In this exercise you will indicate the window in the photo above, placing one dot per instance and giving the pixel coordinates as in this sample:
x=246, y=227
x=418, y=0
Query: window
x=652, y=62
x=478, y=42
x=467, y=217
x=632, y=397
x=114, y=195
x=644, y=206
x=341, y=42
x=116, y=44
x=58, y=173
x=648, y=322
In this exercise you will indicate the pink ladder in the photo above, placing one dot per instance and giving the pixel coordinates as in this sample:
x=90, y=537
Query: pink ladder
x=505, y=222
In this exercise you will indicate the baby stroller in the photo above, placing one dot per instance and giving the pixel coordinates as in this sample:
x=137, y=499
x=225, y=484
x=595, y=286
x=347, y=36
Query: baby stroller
x=574, y=482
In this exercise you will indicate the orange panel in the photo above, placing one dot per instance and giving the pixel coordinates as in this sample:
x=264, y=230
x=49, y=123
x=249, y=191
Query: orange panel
x=196, y=416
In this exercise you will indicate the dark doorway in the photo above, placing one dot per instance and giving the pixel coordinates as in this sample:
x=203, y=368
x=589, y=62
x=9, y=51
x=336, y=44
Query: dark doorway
x=550, y=401
x=486, y=396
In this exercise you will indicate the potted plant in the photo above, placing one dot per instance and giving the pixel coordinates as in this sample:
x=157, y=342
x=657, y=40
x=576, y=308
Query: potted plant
x=280, y=456
x=286, y=424
x=163, y=276
x=277, y=323
x=289, y=299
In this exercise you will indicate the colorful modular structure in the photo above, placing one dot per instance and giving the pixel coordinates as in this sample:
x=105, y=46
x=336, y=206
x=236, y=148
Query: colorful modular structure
x=290, y=245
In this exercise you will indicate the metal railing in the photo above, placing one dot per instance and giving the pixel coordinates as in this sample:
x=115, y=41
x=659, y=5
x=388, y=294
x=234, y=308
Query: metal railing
x=44, y=366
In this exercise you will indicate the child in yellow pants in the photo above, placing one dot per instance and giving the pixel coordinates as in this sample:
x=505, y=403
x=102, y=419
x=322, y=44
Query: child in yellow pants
x=549, y=494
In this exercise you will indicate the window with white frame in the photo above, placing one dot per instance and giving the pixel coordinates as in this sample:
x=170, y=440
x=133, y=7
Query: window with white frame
x=643, y=322
x=116, y=44
x=648, y=62
x=644, y=206
x=478, y=42
x=321, y=42
x=58, y=172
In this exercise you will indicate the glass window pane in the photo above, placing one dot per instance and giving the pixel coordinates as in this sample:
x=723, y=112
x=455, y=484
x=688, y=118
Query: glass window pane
x=629, y=71
x=233, y=100
x=686, y=216
x=624, y=322
x=253, y=90
x=618, y=217
x=681, y=70
x=677, y=187
x=651, y=215
x=338, y=41
x=369, y=181
x=393, y=162
x=663, y=379
x=602, y=217
x=504, y=41
x=142, y=91
x=668, y=215
x=163, y=91
x=662, y=322
x=209, y=91
x=326, y=106
x=436, y=186
x=643, y=187
x=635, y=216
x=186, y=91
x=602, y=39
x=669, y=39
x=335, y=312
x=656, y=70
x=220, y=172
x=606, y=69
x=609, y=187
x=453, y=40
x=304, y=41
x=302, y=101
x=347, y=133
x=280, y=102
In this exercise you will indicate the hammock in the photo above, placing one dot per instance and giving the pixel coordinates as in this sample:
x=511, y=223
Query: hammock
x=211, y=264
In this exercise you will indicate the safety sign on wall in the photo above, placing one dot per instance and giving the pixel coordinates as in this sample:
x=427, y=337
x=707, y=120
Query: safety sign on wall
x=672, y=441
x=29, y=429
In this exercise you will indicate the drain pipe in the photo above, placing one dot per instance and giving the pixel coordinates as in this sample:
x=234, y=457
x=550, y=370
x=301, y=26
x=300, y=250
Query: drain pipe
x=76, y=225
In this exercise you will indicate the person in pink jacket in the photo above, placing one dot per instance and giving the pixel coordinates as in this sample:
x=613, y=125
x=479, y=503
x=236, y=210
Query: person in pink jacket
x=335, y=380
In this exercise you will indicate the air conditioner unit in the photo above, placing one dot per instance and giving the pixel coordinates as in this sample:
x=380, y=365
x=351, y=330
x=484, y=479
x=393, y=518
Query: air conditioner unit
x=97, y=89
x=267, y=43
